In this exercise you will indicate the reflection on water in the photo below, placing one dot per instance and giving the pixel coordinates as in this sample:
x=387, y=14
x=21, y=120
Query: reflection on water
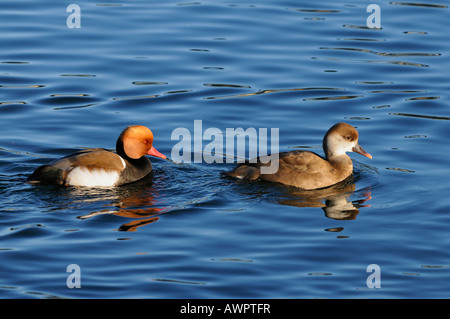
x=334, y=200
x=341, y=201
x=133, y=202
x=140, y=201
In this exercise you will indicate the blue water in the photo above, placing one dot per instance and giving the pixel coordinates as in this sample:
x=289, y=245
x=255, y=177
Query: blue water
x=186, y=232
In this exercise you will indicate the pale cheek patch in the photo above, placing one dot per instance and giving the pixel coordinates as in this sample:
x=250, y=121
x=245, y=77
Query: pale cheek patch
x=342, y=149
x=82, y=176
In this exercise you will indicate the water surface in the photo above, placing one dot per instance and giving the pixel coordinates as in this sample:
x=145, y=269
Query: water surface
x=185, y=231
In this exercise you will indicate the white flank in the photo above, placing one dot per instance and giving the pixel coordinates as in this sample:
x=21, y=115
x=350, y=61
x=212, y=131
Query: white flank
x=81, y=176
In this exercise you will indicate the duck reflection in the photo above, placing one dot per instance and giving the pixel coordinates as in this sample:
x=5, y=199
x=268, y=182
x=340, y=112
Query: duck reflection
x=137, y=203
x=334, y=200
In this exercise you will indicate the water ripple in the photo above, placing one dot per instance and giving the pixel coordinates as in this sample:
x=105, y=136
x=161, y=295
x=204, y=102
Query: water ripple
x=381, y=53
x=270, y=91
x=176, y=281
x=429, y=117
x=375, y=62
x=417, y=4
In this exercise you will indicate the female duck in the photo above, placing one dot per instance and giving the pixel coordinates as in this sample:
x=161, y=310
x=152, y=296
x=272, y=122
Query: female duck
x=307, y=170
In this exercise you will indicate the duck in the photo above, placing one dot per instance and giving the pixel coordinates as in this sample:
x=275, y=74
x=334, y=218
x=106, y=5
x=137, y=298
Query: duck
x=98, y=167
x=305, y=169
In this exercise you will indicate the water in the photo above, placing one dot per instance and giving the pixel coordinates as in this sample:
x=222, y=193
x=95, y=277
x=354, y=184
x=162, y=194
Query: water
x=186, y=232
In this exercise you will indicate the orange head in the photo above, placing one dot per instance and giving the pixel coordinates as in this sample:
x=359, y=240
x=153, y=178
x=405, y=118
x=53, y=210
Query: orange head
x=136, y=141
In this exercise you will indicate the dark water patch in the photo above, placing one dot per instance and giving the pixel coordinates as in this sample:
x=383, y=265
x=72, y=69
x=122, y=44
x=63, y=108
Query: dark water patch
x=331, y=98
x=374, y=82
x=149, y=83
x=316, y=10
x=178, y=91
x=215, y=68
x=404, y=170
x=78, y=75
x=403, y=63
x=360, y=27
x=419, y=4
x=270, y=91
x=396, y=91
x=176, y=281
x=357, y=118
x=200, y=50
x=232, y=260
x=65, y=101
x=415, y=136
x=76, y=106
x=222, y=85
x=423, y=98
x=381, y=106
x=135, y=97
x=422, y=116
x=382, y=53
x=15, y=62
x=415, y=32
x=362, y=39
x=30, y=231
x=189, y=4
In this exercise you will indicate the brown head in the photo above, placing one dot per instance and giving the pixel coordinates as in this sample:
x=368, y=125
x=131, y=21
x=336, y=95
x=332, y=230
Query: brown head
x=342, y=138
x=136, y=141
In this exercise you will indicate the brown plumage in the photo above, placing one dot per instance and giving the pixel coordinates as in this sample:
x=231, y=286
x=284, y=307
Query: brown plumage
x=100, y=167
x=308, y=170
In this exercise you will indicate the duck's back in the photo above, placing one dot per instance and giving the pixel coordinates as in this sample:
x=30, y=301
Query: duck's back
x=302, y=169
x=91, y=167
